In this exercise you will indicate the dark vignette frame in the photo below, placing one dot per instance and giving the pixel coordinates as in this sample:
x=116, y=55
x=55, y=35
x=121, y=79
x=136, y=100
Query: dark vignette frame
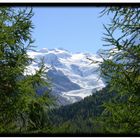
x=69, y=5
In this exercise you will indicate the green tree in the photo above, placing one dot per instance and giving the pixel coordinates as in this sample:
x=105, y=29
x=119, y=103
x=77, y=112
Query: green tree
x=18, y=91
x=121, y=68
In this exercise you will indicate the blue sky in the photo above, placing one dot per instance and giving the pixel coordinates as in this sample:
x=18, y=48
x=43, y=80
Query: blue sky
x=77, y=29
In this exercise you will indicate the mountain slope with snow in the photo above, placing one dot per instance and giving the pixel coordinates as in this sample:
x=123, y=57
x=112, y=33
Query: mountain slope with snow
x=72, y=74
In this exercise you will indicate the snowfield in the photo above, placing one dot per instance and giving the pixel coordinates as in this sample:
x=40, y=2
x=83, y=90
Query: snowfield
x=72, y=74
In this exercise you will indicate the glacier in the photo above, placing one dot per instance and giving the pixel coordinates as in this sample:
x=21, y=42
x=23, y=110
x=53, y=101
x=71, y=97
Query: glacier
x=73, y=76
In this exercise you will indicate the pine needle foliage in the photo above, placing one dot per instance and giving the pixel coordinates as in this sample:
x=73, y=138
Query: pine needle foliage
x=20, y=105
x=122, y=69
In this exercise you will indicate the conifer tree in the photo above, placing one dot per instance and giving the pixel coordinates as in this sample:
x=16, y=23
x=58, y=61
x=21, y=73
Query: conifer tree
x=18, y=92
x=122, y=69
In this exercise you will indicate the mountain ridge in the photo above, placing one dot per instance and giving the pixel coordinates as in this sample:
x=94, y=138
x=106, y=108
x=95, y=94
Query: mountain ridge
x=72, y=74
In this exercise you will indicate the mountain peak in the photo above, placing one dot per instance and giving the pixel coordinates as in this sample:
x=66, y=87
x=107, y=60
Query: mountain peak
x=74, y=78
x=43, y=50
x=60, y=48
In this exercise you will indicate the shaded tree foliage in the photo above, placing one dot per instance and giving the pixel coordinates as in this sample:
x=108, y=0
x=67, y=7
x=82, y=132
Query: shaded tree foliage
x=18, y=98
x=122, y=69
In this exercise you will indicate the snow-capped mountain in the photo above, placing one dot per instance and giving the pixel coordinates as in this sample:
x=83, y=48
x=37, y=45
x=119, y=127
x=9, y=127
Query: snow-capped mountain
x=72, y=74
